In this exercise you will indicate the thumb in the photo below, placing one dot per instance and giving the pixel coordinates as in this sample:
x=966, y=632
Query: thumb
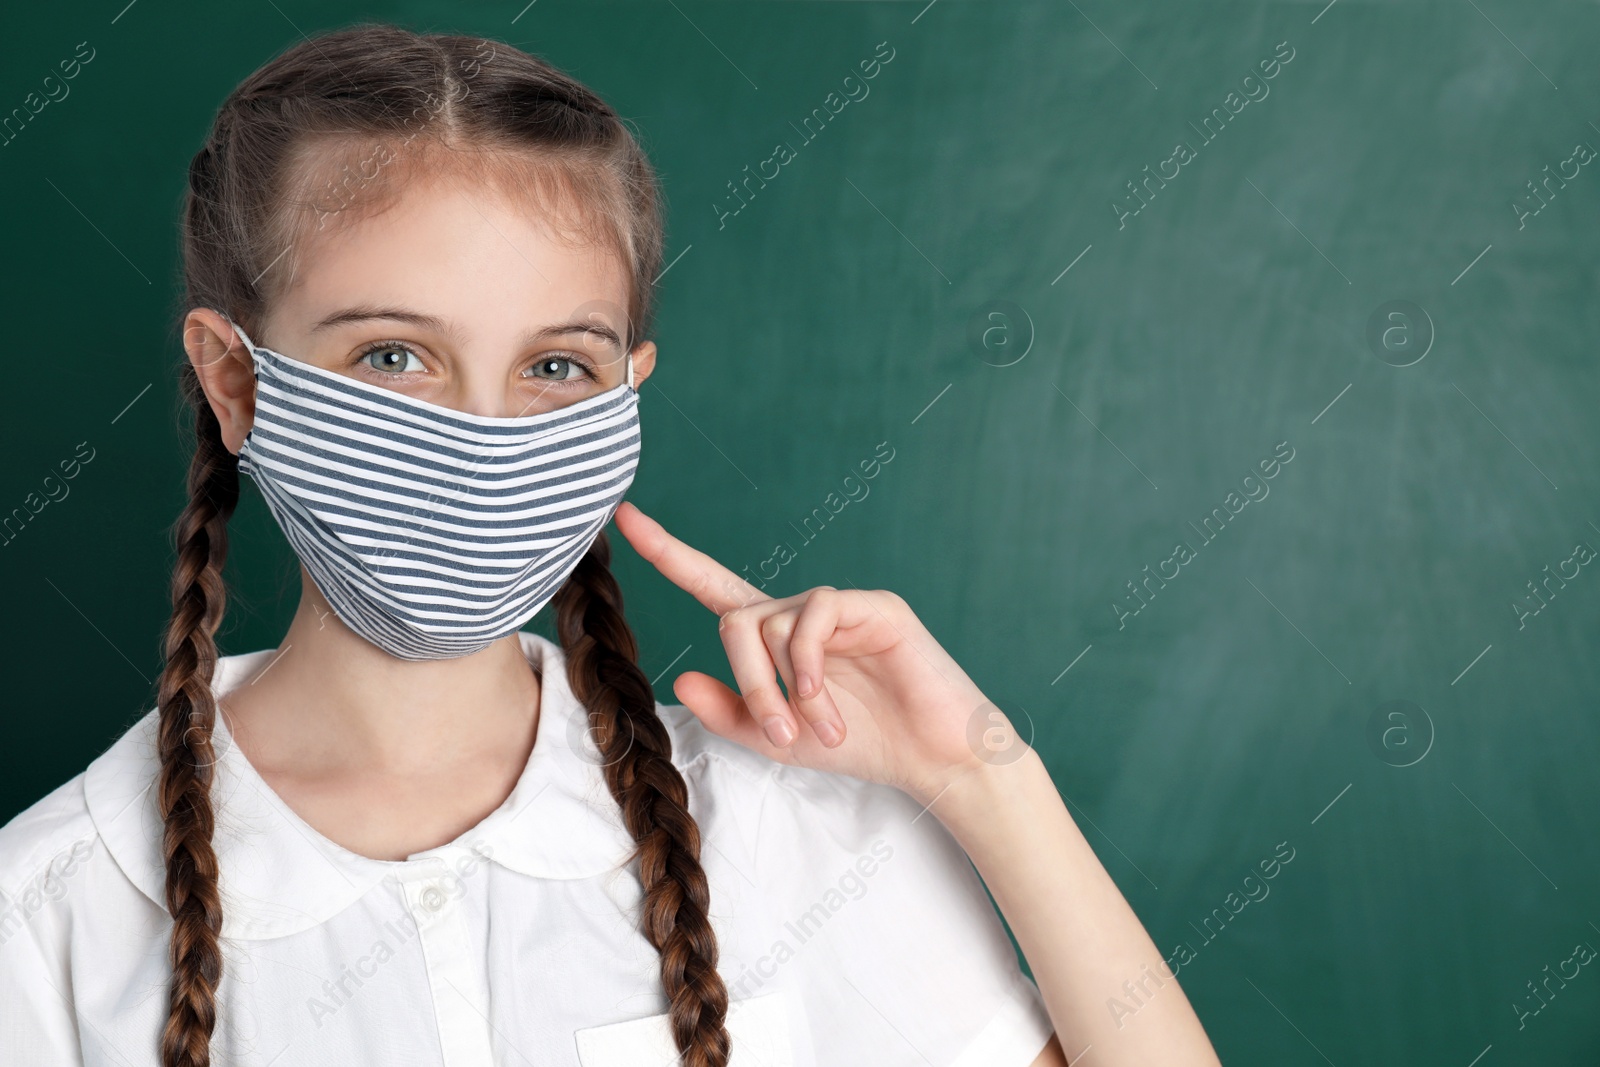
x=722, y=711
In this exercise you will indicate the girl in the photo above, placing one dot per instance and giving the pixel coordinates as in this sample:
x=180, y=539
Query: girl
x=418, y=275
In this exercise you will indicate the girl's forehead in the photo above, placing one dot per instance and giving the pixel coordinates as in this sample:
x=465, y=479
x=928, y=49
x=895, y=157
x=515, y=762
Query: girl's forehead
x=458, y=245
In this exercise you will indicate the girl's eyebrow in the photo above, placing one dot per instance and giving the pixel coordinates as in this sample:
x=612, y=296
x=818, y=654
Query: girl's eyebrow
x=366, y=312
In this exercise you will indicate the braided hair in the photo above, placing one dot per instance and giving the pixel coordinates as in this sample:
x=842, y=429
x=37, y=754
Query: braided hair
x=289, y=149
x=188, y=712
x=602, y=663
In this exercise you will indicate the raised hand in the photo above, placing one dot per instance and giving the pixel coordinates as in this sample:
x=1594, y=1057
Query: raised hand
x=870, y=693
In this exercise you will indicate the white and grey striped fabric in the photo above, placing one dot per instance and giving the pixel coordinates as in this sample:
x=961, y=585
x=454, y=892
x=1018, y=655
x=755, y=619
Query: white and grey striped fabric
x=433, y=532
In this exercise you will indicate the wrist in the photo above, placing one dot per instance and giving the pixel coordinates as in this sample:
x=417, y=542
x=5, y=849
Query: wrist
x=974, y=796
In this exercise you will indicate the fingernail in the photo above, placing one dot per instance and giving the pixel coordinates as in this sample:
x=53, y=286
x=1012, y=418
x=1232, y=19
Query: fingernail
x=828, y=732
x=806, y=688
x=778, y=731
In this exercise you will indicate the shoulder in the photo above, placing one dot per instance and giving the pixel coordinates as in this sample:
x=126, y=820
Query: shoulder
x=93, y=822
x=718, y=763
x=43, y=852
x=697, y=752
x=791, y=815
x=54, y=830
x=856, y=878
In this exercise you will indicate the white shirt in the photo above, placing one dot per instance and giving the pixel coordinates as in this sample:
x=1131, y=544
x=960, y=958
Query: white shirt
x=851, y=927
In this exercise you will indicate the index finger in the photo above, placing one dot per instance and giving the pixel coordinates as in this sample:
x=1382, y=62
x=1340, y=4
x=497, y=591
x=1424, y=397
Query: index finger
x=691, y=570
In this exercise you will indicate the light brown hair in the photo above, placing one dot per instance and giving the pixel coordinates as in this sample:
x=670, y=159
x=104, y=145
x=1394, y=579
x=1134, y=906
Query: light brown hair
x=327, y=130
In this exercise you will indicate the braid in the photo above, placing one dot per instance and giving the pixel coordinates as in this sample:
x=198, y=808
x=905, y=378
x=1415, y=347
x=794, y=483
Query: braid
x=603, y=671
x=188, y=712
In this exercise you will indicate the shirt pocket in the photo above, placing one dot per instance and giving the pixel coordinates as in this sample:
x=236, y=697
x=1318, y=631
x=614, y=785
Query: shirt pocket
x=758, y=1028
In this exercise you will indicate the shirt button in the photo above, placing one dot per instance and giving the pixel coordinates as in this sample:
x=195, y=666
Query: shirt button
x=432, y=897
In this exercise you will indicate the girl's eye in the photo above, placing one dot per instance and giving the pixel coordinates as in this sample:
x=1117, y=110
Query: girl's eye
x=556, y=369
x=392, y=359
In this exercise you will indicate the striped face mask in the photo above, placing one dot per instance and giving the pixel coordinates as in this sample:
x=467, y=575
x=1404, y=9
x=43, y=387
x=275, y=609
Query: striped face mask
x=433, y=532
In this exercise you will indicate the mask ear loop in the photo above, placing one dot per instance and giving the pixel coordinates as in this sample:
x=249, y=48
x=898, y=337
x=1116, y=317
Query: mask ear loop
x=630, y=373
x=249, y=344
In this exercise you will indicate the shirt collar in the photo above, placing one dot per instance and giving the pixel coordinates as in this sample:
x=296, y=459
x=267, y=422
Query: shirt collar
x=279, y=876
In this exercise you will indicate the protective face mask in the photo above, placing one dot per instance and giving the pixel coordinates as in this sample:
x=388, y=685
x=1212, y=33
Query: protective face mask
x=433, y=532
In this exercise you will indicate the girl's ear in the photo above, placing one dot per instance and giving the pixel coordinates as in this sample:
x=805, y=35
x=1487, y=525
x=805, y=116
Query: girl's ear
x=226, y=372
x=644, y=361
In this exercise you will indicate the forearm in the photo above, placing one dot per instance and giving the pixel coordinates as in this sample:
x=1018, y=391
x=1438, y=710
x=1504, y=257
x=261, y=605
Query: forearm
x=1080, y=936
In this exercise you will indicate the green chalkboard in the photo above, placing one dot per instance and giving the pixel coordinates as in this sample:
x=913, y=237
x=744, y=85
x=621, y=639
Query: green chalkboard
x=1229, y=372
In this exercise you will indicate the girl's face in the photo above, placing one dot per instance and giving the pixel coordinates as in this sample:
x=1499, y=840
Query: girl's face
x=451, y=295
